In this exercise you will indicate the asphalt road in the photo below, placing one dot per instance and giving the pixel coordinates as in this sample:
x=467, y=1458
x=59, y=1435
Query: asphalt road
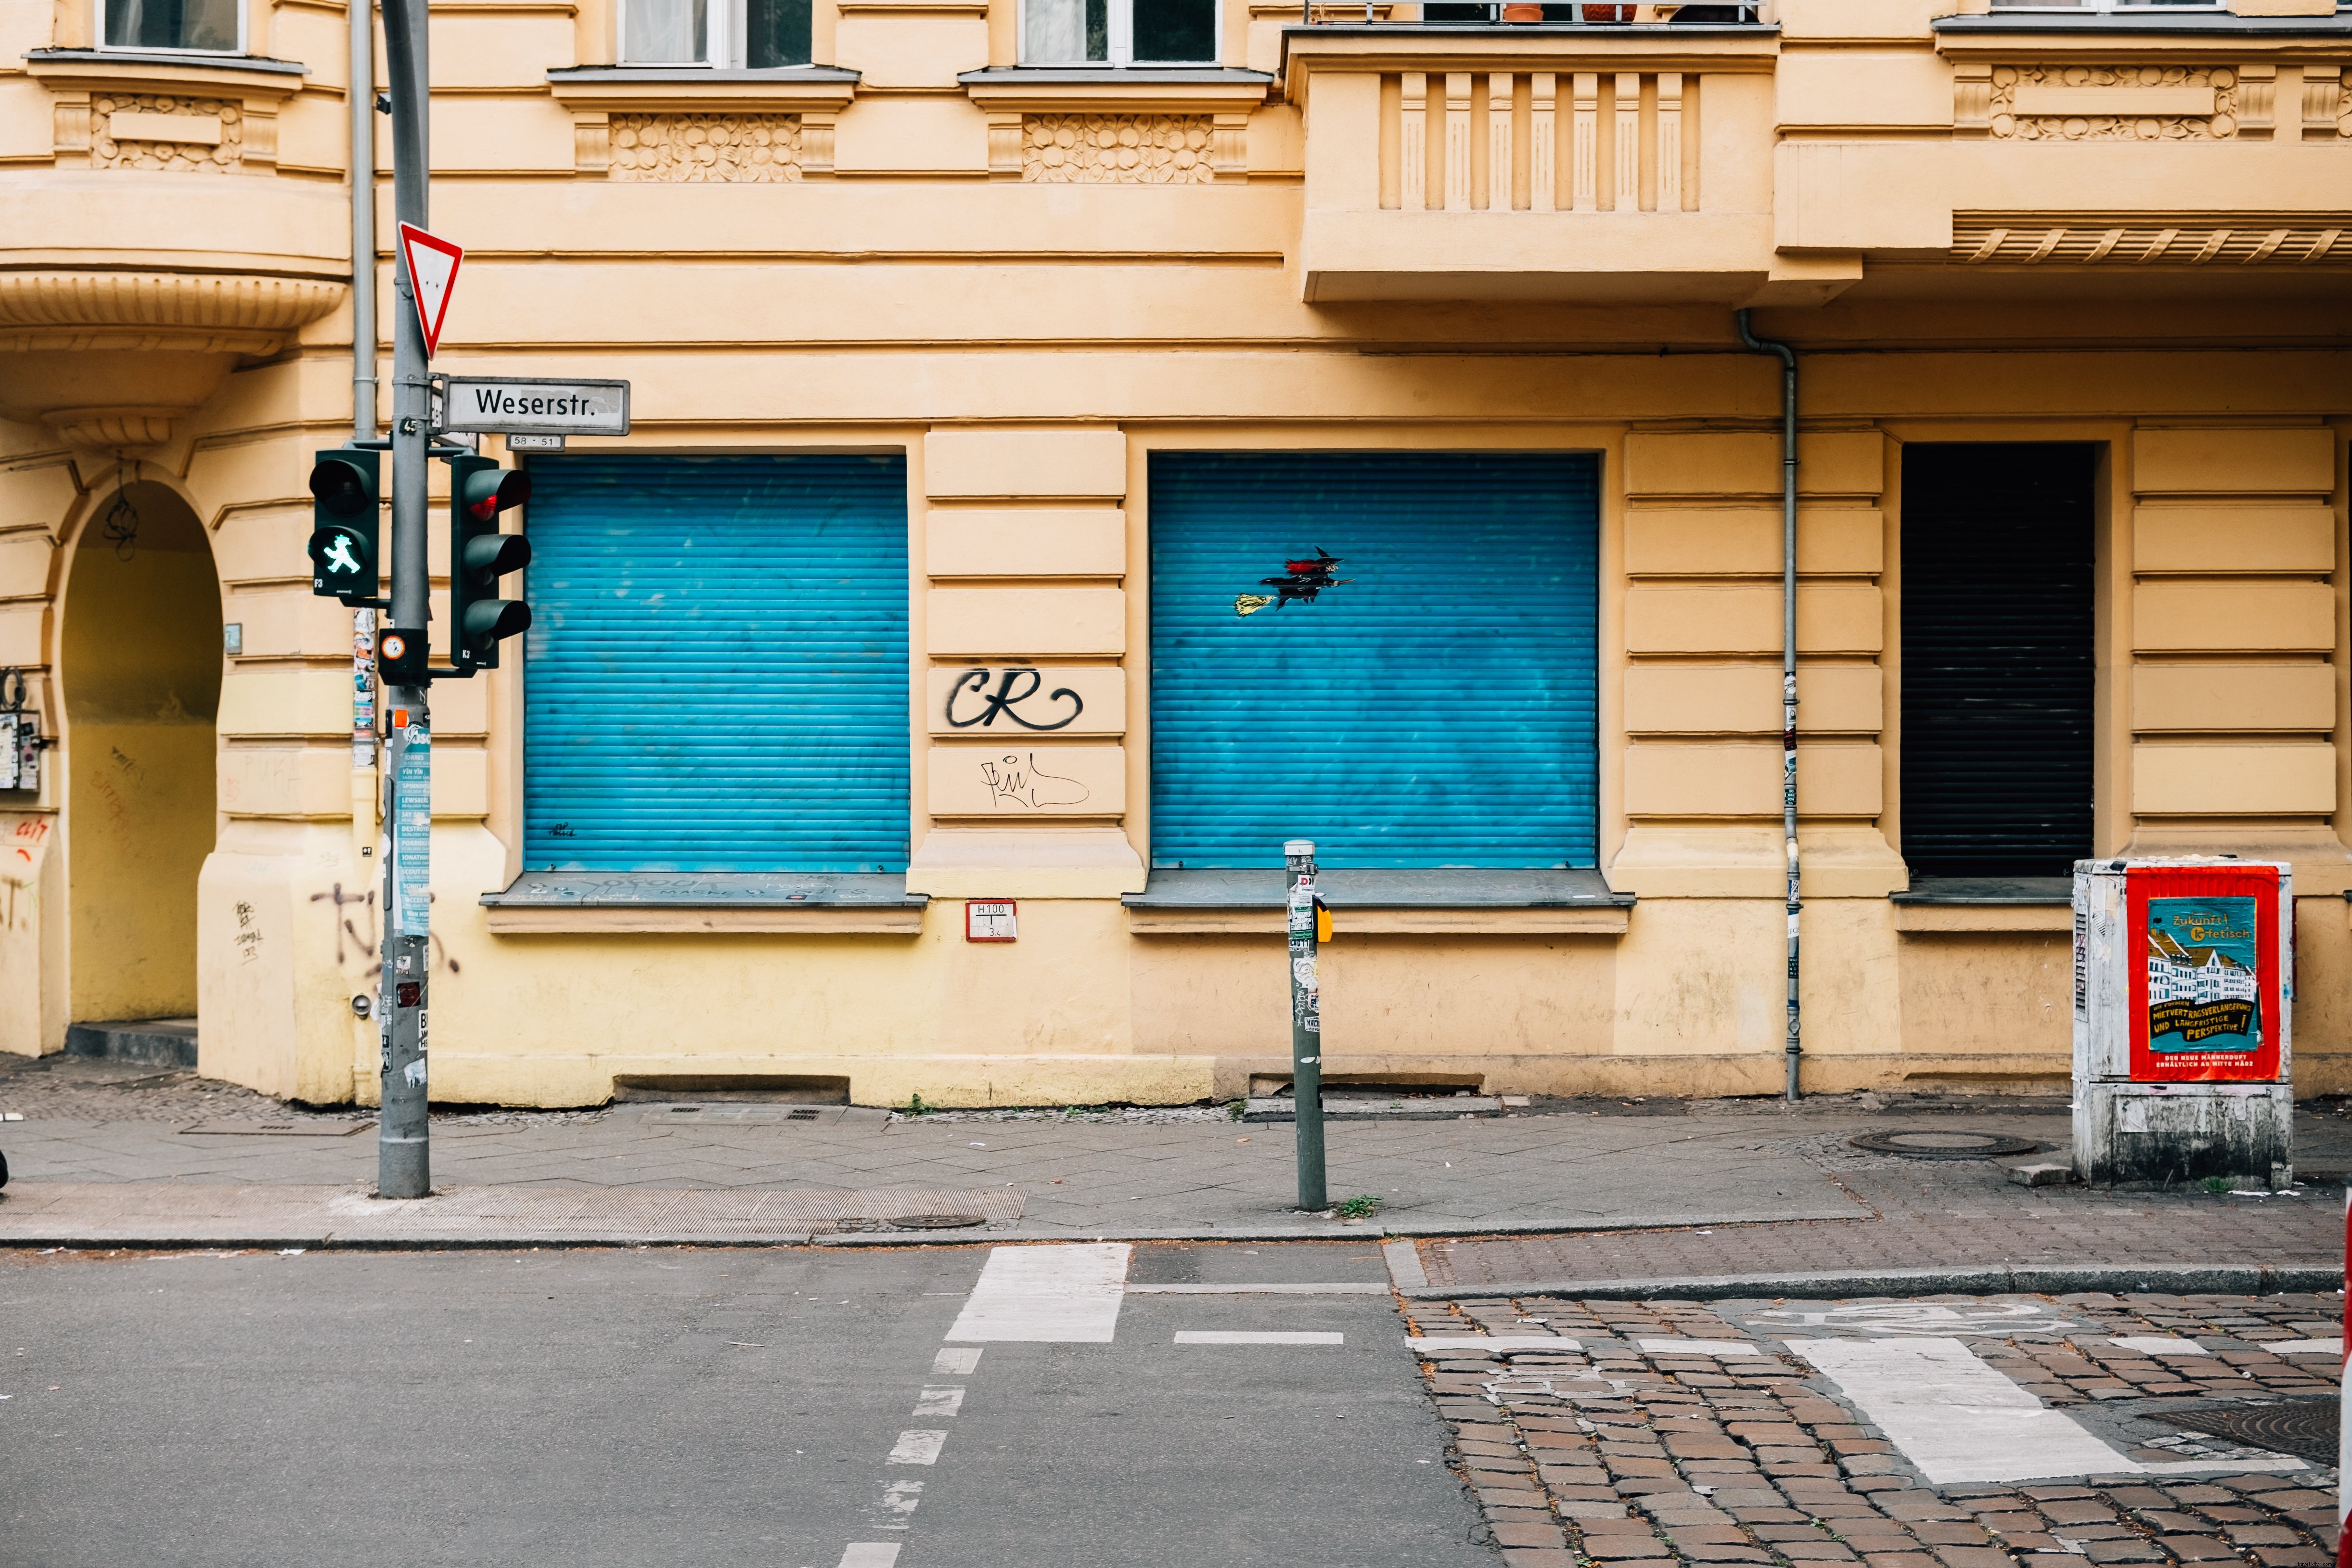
x=680, y=1407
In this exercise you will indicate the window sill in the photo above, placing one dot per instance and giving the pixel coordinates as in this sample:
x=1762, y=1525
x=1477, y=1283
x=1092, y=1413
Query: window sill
x=1131, y=90
x=2198, y=25
x=638, y=89
x=663, y=902
x=1383, y=903
x=1985, y=904
x=191, y=75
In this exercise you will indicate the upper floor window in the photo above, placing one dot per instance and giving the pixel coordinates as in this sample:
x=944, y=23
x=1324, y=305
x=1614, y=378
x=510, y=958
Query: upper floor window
x=2100, y=4
x=214, y=27
x=1118, y=32
x=756, y=34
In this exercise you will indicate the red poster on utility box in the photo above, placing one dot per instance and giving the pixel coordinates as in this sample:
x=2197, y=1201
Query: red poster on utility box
x=2205, y=994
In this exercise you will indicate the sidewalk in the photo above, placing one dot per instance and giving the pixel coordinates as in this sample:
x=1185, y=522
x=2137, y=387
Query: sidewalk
x=1581, y=1196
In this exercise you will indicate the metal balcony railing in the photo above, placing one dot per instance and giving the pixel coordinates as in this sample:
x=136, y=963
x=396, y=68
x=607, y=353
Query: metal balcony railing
x=1518, y=13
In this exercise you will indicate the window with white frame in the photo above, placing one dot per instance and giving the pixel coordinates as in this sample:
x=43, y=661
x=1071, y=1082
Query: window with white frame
x=757, y=34
x=204, y=27
x=1118, y=32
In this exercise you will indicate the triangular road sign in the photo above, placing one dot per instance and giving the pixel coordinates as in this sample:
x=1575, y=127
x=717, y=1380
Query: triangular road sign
x=432, y=272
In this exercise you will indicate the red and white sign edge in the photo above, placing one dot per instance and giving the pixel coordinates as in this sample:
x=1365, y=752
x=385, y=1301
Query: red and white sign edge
x=432, y=274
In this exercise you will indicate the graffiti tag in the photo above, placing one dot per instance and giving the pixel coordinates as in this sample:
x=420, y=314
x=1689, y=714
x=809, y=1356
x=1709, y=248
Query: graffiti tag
x=1007, y=698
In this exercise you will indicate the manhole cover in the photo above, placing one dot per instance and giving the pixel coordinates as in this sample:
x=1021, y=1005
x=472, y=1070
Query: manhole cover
x=1938, y=1143
x=934, y=1221
x=2307, y=1429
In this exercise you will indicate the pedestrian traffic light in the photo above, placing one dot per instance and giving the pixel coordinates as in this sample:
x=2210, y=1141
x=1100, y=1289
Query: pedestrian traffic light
x=343, y=522
x=479, y=556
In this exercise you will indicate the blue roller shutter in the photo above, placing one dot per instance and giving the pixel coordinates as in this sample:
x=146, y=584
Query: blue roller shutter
x=1435, y=711
x=716, y=672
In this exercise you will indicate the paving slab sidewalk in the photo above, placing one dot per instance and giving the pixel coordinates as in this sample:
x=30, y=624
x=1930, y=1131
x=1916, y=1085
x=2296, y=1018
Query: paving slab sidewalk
x=1565, y=1198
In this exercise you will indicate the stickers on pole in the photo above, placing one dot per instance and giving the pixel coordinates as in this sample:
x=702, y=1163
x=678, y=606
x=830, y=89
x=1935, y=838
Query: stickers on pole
x=431, y=264
x=412, y=808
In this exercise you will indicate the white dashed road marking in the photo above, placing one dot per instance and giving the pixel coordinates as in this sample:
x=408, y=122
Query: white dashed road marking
x=2160, y=1344
x=2306, y=1347
x=1715, y=1348
x=956, y=1360
x=1492, y=1344
x=1962, y=1421
x=918, y=1449
x=870, y=1554
x=939, y=1402
x=1051, y=1295
x=1254, y=1337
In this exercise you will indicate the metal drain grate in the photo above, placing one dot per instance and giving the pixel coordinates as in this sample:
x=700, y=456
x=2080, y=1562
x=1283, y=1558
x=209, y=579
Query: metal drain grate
x=2307, y=1429
x=1942, y=1143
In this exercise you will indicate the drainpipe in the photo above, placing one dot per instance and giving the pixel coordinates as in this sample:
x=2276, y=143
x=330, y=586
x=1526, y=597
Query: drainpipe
x=1788, y=358
x=362, y=103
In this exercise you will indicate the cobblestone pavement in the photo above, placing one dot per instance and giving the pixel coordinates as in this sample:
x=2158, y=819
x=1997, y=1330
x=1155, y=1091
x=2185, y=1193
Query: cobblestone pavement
x=1609, y=1445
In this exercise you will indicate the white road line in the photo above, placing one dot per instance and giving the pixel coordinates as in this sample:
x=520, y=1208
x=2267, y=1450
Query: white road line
x=899, y=1500
x=1257, y=1290
x=1254, y=1337
x=1491, y=1345
x=1715, y=1348
x=1050, y=1295
x=2305, y=1347
x=918, y=1449
x=1956, y=1418
x=870, y=1554
x=1962, y=1421
x=956, y=1360
x=939, y=1402
x=2160, y=1344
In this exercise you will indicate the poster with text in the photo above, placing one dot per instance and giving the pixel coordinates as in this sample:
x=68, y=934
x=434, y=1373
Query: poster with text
x=2205, y=989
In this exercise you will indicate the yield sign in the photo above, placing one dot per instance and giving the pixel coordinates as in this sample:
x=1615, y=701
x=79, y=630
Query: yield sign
x=432, y=269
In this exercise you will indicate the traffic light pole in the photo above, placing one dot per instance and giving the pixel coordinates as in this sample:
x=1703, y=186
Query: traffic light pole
x=404, y=1163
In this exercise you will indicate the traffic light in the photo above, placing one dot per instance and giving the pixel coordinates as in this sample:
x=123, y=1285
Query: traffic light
x=343, y=523
x=479, y=556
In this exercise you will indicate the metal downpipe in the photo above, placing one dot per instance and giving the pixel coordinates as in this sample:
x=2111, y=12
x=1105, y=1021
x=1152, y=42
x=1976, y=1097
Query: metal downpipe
x=1788, y=358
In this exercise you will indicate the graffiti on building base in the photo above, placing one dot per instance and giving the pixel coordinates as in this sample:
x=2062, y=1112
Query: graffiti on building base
x=1007, y=698
x=1016, y=778
x=366, y=946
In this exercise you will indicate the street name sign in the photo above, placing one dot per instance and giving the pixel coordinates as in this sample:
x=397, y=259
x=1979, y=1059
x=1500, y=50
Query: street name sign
x=432, y=273
x=517, y=406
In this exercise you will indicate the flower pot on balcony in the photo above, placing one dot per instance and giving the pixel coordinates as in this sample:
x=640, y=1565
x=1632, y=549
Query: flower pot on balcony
x=1607, y=13
x=1523, y=13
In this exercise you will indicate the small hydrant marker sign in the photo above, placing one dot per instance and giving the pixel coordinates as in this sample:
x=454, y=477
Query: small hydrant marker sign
x=991, y=919
x=2206, y=993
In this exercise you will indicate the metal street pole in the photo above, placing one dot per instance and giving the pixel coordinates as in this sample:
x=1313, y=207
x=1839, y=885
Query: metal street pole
x=1305, y=1025
x=404, y=1163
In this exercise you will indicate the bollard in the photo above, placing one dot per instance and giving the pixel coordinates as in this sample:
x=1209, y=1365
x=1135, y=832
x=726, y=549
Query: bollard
x=1306, y=1024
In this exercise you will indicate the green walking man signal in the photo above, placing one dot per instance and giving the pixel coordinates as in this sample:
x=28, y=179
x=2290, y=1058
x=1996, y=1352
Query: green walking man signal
x=479, y=556
x=345, y=537
x=344, y=521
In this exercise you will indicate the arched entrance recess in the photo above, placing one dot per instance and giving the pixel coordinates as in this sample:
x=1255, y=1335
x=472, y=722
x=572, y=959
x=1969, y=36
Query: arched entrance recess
x=140, y=669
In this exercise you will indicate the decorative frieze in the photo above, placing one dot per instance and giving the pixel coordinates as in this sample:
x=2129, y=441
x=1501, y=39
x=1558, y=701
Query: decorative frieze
x=705, y=149
x=1119, y=149
x=155, y=131
x=2026, y=240
x=2111, y=103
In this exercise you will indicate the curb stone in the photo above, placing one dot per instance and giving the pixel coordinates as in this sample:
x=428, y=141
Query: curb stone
x=1999, y=1279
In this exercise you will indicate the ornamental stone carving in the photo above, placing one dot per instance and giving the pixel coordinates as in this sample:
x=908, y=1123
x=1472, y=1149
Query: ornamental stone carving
x=1118, y=149
x=154, y=130
x=2150, y=104
x=706, y=149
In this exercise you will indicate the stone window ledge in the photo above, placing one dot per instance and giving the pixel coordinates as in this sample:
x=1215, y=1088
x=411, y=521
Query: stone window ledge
x=1383, y=903
x=2198, y=25
x=161, y=68
x=611, y=903
x=1985, y=904
x=1134, y=90
x=815, y=95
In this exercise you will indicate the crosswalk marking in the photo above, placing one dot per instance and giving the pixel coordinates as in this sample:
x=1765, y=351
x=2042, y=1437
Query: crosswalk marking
x=918, y=1449
x=870, y=1554
x=1049, y=1295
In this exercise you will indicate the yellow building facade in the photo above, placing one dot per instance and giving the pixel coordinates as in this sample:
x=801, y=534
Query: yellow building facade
x=996, y=354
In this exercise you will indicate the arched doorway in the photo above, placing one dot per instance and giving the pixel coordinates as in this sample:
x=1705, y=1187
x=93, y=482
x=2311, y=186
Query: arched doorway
x=140, y=669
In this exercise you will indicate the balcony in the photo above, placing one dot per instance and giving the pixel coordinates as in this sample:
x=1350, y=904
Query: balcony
x=1558, y=161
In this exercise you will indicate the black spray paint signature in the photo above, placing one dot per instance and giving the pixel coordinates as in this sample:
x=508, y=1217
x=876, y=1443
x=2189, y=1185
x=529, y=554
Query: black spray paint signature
x=1300, y=581
x=1006, y=700
x=1017, y=778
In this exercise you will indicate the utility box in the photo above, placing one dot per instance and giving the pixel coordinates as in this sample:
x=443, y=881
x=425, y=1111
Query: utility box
x=2184, y=988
